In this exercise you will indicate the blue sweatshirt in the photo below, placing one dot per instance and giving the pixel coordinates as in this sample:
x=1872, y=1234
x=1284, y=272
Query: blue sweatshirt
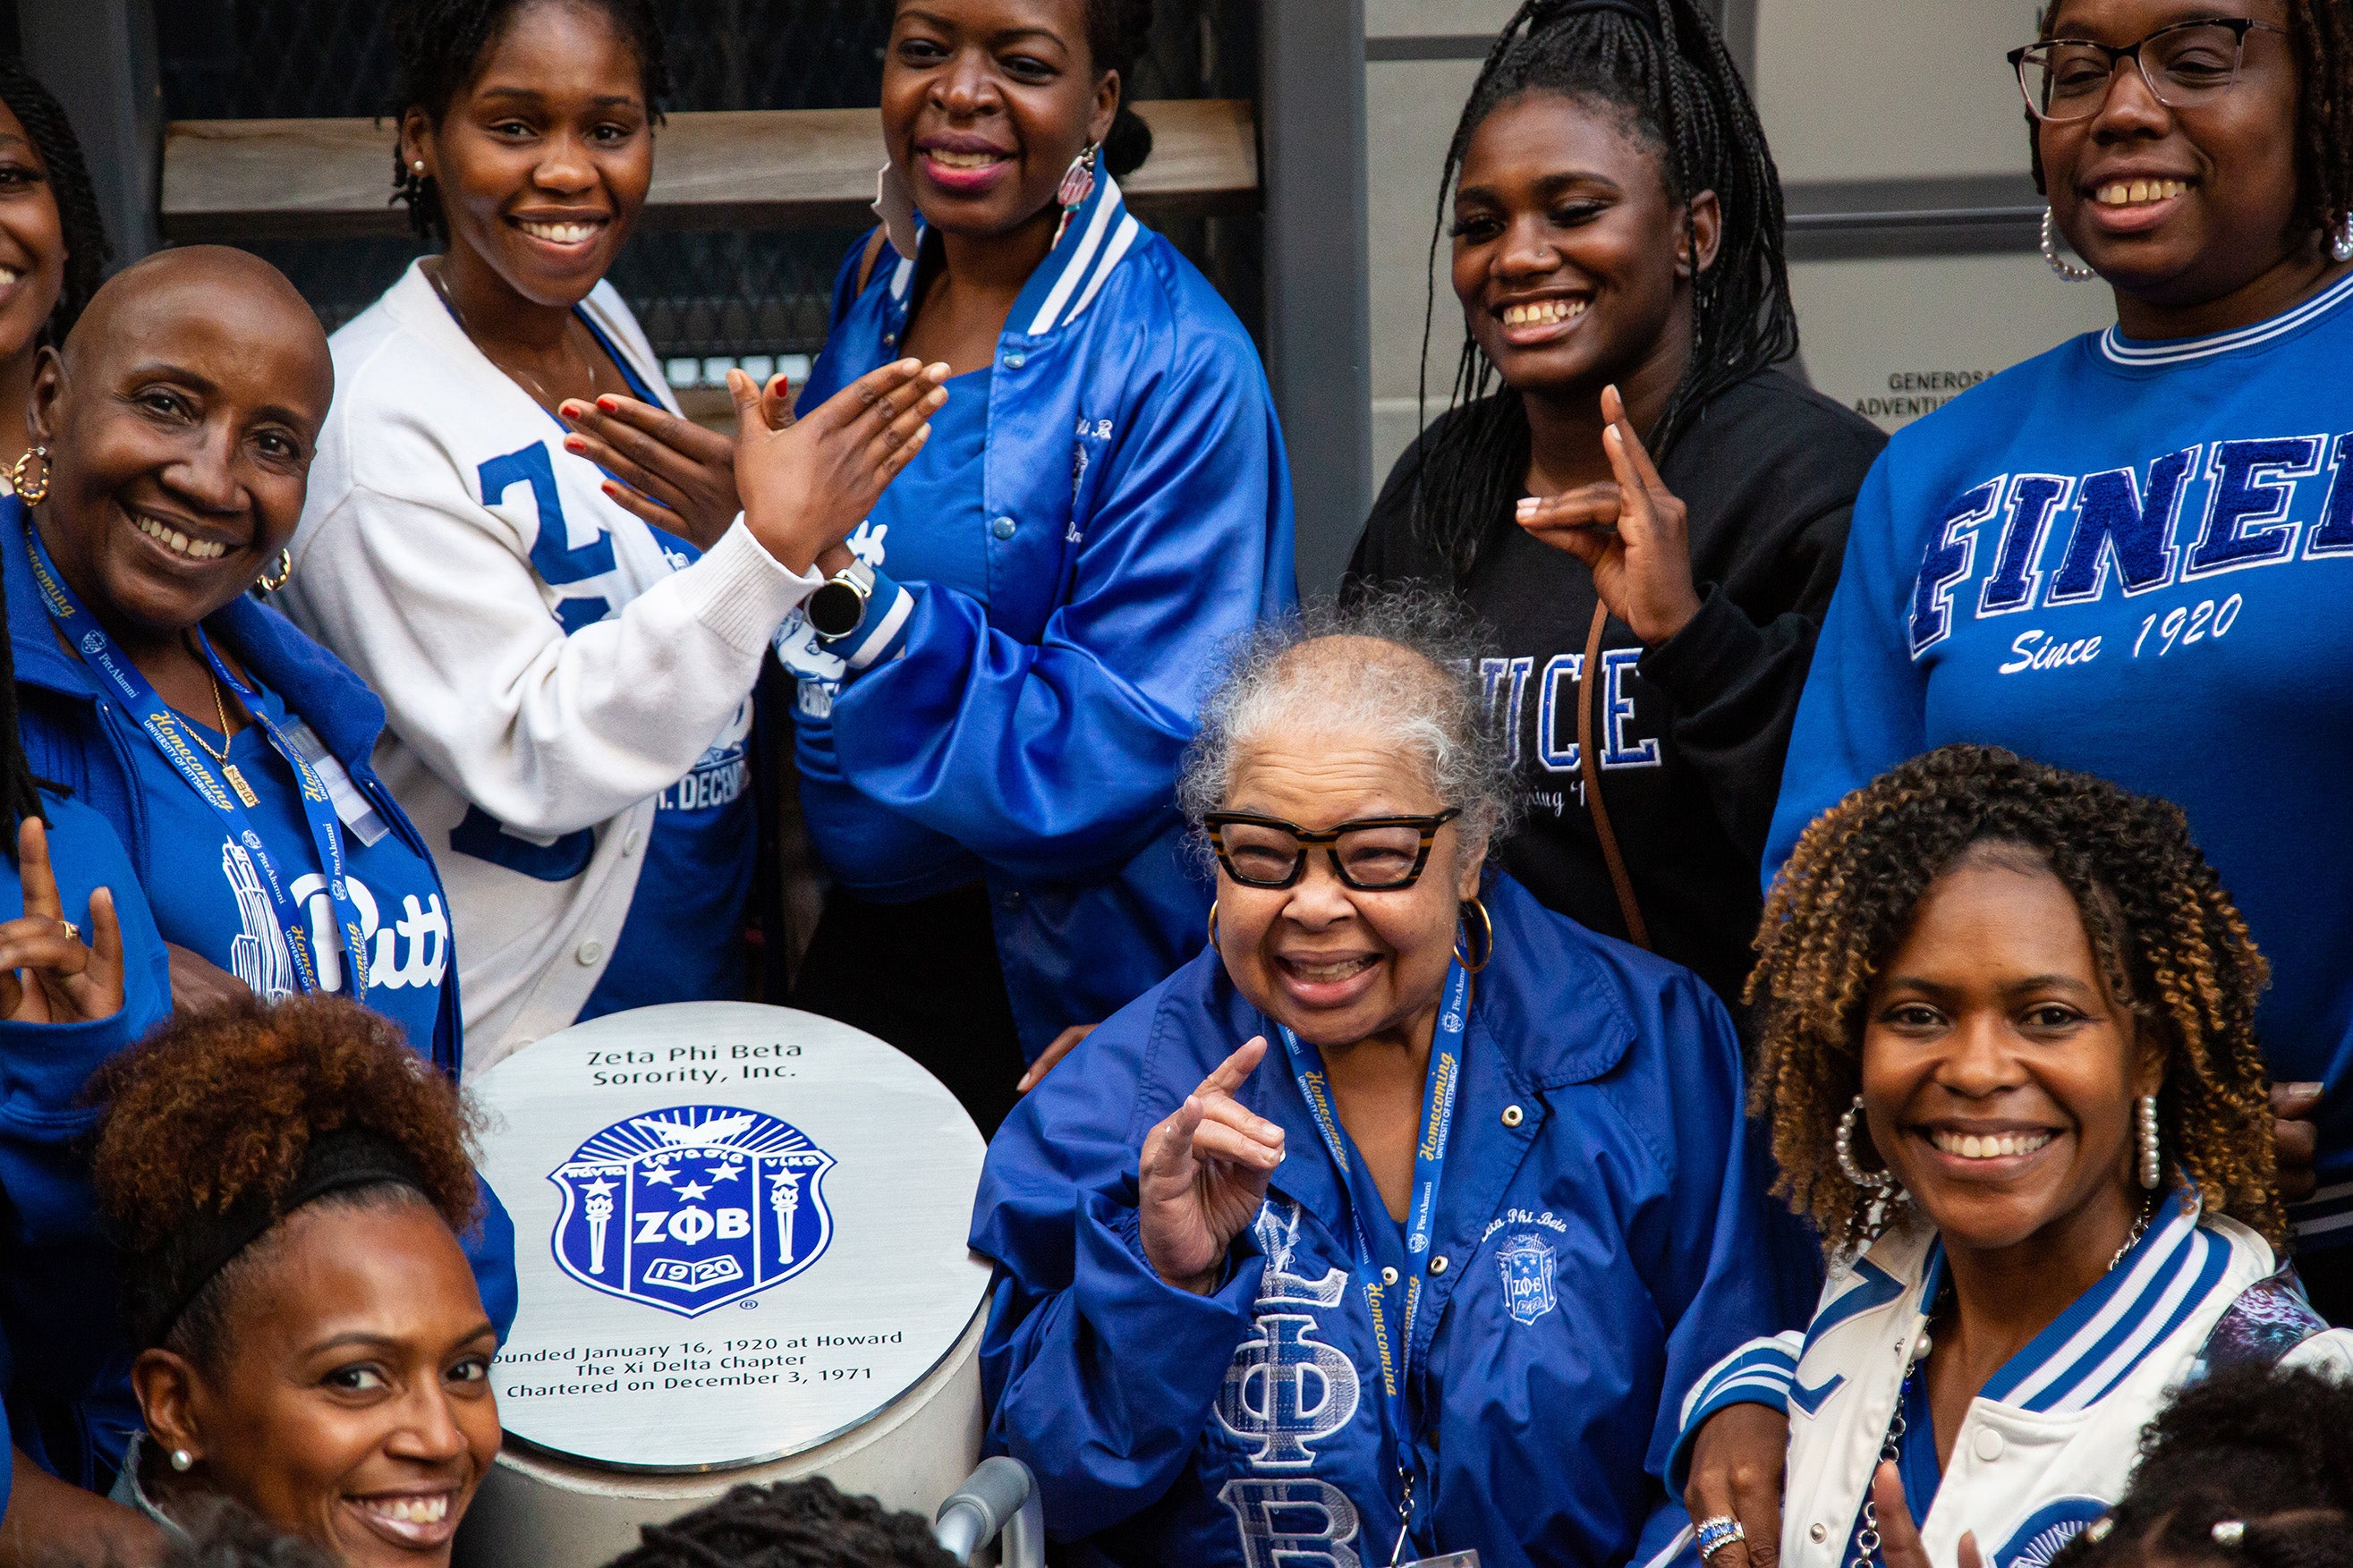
x=2134, y=559
x=1020, y=718
x=1603, y=1234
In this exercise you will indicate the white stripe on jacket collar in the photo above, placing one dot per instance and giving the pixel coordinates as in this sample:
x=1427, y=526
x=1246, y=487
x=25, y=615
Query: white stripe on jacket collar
x=2122, y=350
x=1087, y=259
x=2176, y=1266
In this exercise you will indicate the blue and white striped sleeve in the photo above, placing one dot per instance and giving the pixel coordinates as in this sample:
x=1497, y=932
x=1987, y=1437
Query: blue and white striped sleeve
x=1758, y=1372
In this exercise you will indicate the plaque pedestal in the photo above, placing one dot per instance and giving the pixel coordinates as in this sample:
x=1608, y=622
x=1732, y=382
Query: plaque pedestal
x=740, y=1244
x=535, y=1511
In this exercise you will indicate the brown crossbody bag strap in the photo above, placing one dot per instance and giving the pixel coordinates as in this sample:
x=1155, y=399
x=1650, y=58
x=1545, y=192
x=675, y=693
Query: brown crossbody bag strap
x=1590, y=686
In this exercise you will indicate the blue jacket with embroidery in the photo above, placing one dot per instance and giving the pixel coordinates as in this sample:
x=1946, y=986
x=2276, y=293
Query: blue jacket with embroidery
x=79, y=737
x=1140, y=520
x=1606, y=1236
x=57, y=1344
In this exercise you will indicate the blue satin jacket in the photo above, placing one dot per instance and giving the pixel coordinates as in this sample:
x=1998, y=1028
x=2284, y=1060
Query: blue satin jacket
x=1604, y=1234
x=1138, y=509
x=75, y=1354
x=57, y=1345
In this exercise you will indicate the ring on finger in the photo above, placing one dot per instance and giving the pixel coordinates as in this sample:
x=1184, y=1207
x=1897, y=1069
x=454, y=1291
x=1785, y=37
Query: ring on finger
x=73, y=932
x=1715, y=1533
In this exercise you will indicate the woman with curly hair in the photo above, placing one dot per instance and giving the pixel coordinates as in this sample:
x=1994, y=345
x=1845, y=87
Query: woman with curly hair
x=1394, y=1223
x=2007, y=1057
x=288, y=1190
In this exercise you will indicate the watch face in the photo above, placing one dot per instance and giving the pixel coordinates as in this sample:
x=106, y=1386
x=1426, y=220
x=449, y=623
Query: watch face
x=835, y=610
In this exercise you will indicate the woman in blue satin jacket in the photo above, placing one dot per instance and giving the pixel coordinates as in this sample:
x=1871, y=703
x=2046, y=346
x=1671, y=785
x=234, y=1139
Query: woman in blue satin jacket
x=122, y=441
x=987, y=733
x=1437, y=1249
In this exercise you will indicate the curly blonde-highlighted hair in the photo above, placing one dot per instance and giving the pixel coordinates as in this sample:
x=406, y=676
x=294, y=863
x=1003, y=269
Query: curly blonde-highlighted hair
x=2170, y=944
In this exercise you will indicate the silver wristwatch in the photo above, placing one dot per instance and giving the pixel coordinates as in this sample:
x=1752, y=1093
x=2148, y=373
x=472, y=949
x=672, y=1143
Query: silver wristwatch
x=839, y=606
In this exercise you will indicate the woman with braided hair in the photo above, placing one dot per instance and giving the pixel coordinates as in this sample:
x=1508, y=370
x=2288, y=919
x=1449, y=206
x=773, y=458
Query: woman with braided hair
x=53, y=249
x=2131, y=554
x=1681, y=505
x=288, y=1190
x=2007, y=1057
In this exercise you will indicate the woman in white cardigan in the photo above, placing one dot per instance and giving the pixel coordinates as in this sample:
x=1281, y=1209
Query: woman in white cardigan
x=2008, y=1056
x=568, y=687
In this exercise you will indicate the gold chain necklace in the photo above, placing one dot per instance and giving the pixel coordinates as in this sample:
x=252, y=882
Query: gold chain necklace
x=537, y=388
x=229, y=769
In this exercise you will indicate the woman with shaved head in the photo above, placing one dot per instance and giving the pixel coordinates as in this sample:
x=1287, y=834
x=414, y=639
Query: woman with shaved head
x=172, y=435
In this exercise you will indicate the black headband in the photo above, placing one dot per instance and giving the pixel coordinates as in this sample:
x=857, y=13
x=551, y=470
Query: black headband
x=337, y=1161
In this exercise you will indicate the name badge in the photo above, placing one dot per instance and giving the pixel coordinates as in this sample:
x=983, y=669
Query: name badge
x=351, y=807
x=1451, y=1559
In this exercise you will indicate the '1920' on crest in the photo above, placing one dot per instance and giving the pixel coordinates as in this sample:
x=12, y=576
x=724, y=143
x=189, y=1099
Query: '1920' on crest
x=692, y=1206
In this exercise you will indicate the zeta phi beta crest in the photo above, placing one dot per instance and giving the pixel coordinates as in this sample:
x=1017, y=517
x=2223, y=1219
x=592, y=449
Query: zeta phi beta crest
x=1527, y=1265
x=692, y=1206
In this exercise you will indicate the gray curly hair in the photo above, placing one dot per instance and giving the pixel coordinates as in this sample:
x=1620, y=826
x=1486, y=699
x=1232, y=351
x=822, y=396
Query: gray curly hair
x=1422, y=698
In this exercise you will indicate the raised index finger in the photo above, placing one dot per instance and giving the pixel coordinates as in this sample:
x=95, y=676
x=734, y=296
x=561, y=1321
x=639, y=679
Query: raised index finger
x=33, y=869
x=1235, y=1070
x=1638, y=455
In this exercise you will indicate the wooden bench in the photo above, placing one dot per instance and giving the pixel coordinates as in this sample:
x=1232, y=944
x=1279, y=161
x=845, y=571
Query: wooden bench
x=237, y=180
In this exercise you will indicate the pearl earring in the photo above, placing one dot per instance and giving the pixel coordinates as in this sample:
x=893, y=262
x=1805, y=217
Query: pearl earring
x=2152, y=1168
x=2340, y=244
x=2058, y=263
x=1879, y=1184
x=418, y=166
x=181, y=1460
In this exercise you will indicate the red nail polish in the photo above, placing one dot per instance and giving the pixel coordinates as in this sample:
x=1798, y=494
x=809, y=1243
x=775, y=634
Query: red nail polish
x=608, y=405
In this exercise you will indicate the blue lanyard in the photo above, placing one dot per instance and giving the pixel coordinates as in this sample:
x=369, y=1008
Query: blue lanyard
x=89, y=639
x=1439, y=1093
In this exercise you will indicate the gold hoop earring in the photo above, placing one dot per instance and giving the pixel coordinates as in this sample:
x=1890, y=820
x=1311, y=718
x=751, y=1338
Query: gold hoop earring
x=1487, y=956
x=26, y=492
x=285, y=574
x=1213, y=922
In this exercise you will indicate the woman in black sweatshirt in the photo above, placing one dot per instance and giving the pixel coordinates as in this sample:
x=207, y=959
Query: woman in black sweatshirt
x=1615, y=221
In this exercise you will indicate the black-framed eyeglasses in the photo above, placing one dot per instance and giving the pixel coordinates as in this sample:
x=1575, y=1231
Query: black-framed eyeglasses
x=2185, y=64
x=1371, y=855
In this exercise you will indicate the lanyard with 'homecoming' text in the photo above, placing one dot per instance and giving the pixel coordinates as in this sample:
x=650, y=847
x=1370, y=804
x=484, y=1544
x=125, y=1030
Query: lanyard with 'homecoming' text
x=89, y=639
x=1421, y=1213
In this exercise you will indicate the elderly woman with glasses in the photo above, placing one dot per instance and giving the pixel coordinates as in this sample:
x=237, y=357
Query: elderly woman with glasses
x=1383, y=1225
x=2130, y=555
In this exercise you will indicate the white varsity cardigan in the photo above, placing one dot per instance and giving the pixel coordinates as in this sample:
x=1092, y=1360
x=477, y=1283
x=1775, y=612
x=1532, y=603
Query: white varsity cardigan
x=547, y=670
x=2049, y=1443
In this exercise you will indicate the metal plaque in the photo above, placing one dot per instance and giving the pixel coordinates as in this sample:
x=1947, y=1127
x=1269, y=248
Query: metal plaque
x=739, y=1232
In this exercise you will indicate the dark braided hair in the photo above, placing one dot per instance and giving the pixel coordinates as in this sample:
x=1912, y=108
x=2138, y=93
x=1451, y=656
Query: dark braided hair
x=441, y=44
x=1118, y=34
x=1662, y=65
x=2320, y=38
x=2268, y=1448
x=2170, y=945
x=796, y=1524
x=52, y=135
x=87, y=254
